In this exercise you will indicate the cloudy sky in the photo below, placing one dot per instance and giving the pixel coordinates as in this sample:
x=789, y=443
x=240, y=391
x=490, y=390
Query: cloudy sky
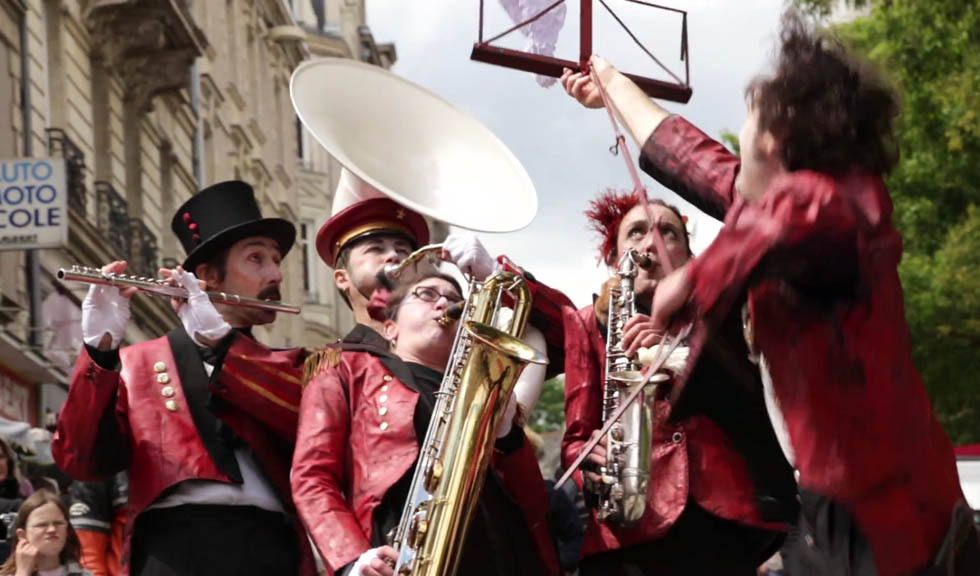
x=563, y=146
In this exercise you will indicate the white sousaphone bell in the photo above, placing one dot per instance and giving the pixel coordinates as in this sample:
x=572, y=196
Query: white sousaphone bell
x=403, y=141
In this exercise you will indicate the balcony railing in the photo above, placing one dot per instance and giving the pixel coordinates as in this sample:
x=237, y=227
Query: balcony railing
x=144, y=248
x=60, y=145
x=112, y=218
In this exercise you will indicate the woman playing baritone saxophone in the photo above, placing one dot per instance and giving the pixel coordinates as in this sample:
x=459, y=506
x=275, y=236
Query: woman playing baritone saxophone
x=362, y=419
x=702, y=514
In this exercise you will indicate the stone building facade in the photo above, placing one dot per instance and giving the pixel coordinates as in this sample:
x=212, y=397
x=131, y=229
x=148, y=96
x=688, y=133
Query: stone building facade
x=149, y=101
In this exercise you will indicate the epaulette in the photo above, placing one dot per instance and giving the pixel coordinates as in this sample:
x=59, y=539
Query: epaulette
x=328, y=357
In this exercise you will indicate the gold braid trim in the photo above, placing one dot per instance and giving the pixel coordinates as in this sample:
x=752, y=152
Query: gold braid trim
x=319, y=361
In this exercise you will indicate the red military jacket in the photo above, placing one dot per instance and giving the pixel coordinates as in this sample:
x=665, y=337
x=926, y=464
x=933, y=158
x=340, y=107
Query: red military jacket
x=268, y=385
x=818, y=256
x=356, y=439
x=689, y=458
x=147, y=418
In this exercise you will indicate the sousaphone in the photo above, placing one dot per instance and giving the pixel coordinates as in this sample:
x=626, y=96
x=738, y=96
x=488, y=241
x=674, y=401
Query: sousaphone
x=413, y=146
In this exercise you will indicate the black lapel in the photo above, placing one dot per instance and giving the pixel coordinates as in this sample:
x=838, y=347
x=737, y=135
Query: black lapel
x=194, y=381
x=393, y=363
x=363, y=338
x=366, y=335
x=400, y=370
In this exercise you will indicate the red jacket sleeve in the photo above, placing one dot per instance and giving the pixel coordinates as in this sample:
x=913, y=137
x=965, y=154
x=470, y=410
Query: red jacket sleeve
x=803, y=231
x=583, y=389
x=521, y=477
x=687, y=161
x=92, y=439
x=265, y=384
x=319, y=469
x=546, y=315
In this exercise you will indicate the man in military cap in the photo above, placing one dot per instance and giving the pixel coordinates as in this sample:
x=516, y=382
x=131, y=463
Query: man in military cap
x=369, y=231
x=209, y=484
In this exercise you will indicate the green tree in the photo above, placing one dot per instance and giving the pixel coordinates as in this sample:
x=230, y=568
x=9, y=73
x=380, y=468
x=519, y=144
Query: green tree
x=730, y=139
x=549, y=413
x=824, y=8
x=931, y=50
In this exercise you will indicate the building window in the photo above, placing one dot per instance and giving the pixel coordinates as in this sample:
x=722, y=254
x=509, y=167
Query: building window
x=309, y=274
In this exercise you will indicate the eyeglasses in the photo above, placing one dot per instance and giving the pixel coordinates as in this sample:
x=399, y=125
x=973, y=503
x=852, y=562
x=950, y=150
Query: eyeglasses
x=43, y=526
x=429, y=294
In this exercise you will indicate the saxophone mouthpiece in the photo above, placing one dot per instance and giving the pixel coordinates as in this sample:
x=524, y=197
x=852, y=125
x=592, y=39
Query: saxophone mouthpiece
x=453, y=313
x=385, y=277
x=644, y=261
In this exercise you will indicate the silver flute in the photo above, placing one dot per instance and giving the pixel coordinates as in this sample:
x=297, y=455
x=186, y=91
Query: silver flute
x=162, y=287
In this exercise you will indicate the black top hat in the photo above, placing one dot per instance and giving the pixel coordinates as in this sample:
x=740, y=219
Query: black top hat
x=222, y=214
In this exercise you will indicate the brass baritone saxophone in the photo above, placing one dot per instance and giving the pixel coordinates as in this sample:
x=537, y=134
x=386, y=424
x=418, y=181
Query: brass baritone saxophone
x=621, y=496
x=483, y=368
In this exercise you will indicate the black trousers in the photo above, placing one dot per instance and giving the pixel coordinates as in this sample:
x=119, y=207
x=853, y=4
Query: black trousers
x=196, y=540
x=698, y=543
x=827, y=541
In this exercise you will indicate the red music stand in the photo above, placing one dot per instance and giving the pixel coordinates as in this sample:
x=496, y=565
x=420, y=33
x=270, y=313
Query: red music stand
x=485, y=51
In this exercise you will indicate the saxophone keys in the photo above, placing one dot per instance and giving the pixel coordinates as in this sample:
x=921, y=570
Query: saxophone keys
x=433, y=474
x=417, y=529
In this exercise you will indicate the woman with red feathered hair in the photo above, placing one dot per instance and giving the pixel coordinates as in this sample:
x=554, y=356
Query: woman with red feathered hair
x=703, y=512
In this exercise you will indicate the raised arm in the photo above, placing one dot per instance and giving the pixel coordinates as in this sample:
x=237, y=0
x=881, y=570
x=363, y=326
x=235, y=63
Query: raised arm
x=547, y=304
x=803, y=230
x=635, y=109
x=92, y=439
x=674, y=152
x=685, y=160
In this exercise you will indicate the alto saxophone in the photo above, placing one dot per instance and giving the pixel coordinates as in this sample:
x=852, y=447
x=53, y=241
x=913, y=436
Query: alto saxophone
x=621, y=495
x=483, y=368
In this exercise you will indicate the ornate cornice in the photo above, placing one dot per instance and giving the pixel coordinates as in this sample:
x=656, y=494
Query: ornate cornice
x=150, y=44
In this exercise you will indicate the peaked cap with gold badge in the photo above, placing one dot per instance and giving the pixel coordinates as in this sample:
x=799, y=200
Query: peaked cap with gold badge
x=360, y=211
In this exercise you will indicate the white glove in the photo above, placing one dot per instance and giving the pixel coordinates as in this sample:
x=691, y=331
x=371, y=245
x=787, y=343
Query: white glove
x=104, y=310
x=198, y=314
x=364, y=561
x=507, y=419
x=468, y=253
x=675, y=362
